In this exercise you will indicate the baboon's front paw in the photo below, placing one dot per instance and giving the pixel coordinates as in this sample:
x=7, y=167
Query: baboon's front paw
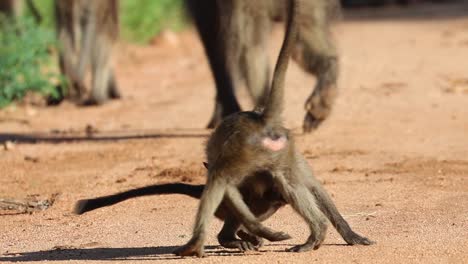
x=280, y=236
x=318, y=109
x=310, y=244
x=190, y=249
x=304, y=247
x=299, y=248
x=355, y=239
x=310, y=123
x=256, y=241
x=239, y=244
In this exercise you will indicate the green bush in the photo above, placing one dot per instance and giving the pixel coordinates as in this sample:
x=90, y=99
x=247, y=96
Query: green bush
x=140, y=20
x=143, y=19
x=24, y=46
x=25, y=61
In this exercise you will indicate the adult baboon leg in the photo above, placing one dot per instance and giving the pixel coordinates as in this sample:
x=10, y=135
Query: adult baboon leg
x=69, y=36
x=100, y=32
x=114, y=91
x=316, y=53
x=207, y=17
x=87, y=42
x=101, y=68
x=255, y=62
x=303, y=202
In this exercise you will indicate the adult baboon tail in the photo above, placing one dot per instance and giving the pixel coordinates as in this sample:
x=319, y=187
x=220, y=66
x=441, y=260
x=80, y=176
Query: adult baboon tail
x=83, y=206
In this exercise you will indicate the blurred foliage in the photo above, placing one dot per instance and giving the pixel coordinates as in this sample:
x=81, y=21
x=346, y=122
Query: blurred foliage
x=143, y=19
x=46, y=9
x=25, y=46
x=140, y=20
x=25, y=60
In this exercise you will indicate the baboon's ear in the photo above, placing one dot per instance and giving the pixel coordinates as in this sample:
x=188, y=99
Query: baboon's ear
x=206, y=165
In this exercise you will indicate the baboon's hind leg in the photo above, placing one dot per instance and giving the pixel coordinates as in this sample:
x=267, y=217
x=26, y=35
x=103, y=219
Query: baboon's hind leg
x=316, y=54
x=304, y=203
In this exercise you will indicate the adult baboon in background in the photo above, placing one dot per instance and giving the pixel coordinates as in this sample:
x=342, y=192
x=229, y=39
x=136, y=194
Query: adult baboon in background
x=87, y=31
x=235, y=36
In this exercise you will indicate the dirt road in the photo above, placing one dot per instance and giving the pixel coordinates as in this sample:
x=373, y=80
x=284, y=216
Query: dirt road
x=394, y=154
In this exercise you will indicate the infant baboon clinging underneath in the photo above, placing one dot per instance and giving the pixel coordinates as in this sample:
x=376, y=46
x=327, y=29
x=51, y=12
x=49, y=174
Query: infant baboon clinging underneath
x=87, y=31
x=235, y=36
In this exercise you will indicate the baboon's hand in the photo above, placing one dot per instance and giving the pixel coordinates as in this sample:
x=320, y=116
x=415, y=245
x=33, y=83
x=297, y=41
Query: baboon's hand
x=318, y=107
x=190, y=249
x=279, y=236
x=310, y=123
x=239, y=244
x=305, y=247
x=355, y=239
x=256, y=241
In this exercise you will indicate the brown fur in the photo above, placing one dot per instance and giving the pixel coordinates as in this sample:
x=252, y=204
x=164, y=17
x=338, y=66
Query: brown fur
x=88, y=30
x=237, y=150
x=253, y=169
x=257, y=191
x=235, y=36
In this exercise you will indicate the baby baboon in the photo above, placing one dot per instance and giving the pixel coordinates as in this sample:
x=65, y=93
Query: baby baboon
x=235, y=36
x=87, y=30
x=252, y=161
x=247, y=143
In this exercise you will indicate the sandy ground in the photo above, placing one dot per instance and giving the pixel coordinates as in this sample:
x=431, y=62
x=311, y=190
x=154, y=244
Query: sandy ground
x=394, y=153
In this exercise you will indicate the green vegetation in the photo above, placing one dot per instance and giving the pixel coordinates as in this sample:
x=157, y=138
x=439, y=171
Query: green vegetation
x=140, y=20
x=46, y=9
x=25, y=60
x=25, y=47
x=143, y=19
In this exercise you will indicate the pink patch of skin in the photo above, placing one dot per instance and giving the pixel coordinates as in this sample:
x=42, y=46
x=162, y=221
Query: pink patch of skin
x=273, y=144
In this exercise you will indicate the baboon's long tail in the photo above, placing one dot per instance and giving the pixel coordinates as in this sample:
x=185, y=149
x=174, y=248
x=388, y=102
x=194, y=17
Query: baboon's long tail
x=274, y=105
x=83, y=206
x=329, y=209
